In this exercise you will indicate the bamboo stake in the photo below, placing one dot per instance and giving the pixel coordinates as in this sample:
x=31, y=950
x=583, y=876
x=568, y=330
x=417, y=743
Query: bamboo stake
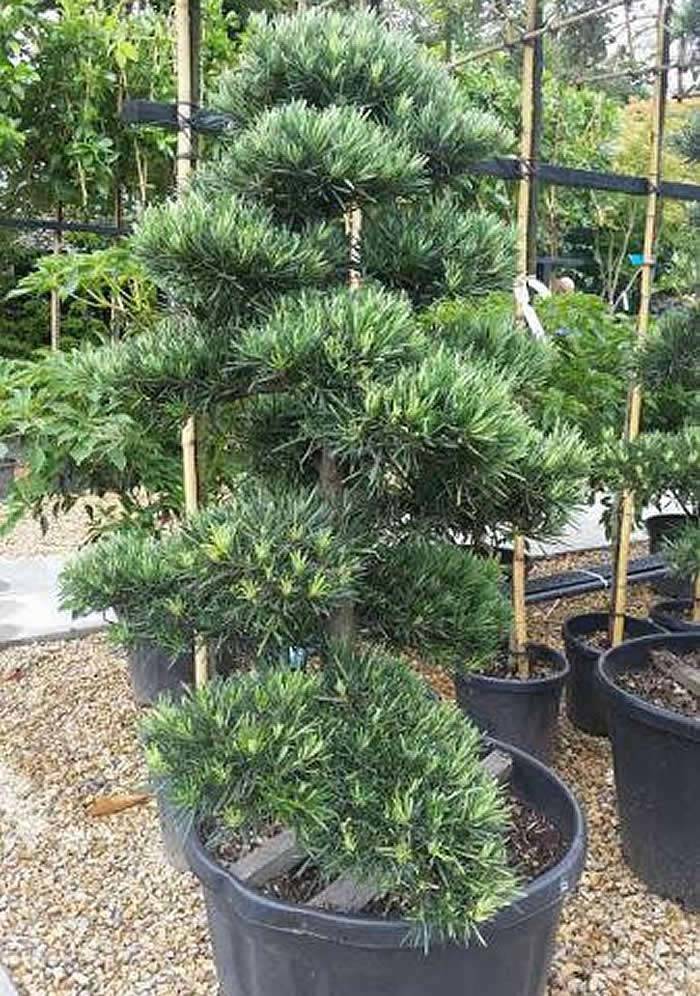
x=696, y=598
x=187, y=28
x=55, y=320
x=531, y=118
x=651, y=230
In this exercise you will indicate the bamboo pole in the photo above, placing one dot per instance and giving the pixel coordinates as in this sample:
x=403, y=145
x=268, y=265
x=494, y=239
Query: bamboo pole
x=55, y=302
x=531, y=120
x=696, y=598
x=188, y=30
x=651, y=230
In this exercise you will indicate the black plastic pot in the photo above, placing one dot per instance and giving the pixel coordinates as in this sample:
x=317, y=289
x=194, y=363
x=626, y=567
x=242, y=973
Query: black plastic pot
x=670, y=615
x=8, y=467
x=522, y=713
x=266, y=947
x=657, y=760
x=585, y=706
x=154, y=671
x=659, y=529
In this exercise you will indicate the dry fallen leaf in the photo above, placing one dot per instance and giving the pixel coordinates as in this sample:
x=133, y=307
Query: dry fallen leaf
x=107, y=805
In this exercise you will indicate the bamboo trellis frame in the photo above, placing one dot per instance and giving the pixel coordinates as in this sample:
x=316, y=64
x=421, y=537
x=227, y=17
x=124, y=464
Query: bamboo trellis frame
x=549, y=26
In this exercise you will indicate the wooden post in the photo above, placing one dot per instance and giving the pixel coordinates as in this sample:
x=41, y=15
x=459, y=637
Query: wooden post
x=625, y=515
x=531, y=129
x=188, y=31
x=55, y=322
x=696, y=598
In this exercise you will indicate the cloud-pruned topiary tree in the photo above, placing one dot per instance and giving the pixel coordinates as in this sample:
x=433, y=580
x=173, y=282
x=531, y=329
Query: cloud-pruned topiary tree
x=375, y=448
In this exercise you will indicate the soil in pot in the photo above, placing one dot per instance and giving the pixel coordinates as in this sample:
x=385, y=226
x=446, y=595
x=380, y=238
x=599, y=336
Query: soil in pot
x=656, y=750
x=523, y=712
x=585, y=639
x=656, y=684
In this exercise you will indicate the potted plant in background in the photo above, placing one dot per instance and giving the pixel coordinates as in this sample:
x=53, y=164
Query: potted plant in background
x=660, y=466
x=683, y=555
x=338, y=397
x=670, y=371
x=652, y=690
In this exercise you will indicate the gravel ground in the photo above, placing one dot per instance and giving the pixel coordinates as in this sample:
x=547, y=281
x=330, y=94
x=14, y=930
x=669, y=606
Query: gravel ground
x=65, y=534
x=88, y=906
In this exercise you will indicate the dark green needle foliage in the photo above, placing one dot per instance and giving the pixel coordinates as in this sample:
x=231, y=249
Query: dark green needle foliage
x=670, y=369
x=440, y=598
x=683, y=552
x=175, y=366
x=547, y=483
x=271, y=567
x=138, y=575
x=376, y=779
x=438, y=250
x=220, y=256
x=482, y=328
x=306, y=162
x=332, y=343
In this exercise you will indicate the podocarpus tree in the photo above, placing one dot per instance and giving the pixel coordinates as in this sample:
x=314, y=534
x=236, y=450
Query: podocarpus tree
x=298, y=266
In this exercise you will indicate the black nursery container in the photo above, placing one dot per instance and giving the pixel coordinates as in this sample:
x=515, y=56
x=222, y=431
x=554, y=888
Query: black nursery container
x=266, y=947
x=522, y=713
x=154, y=671
x=657, y=775
x=670, y=615
x=585, y=706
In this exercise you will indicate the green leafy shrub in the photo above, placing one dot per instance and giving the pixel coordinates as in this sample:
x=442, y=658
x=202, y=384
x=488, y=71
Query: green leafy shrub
x=656, y=466
x=593, y=358
x=376, y=780
x=77, y=439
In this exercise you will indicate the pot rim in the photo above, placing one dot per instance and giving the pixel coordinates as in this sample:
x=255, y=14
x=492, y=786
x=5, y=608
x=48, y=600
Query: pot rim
x=665, y=614
x=637, y=707
x=356, y=930
x=599, y=621
x=515, y=685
